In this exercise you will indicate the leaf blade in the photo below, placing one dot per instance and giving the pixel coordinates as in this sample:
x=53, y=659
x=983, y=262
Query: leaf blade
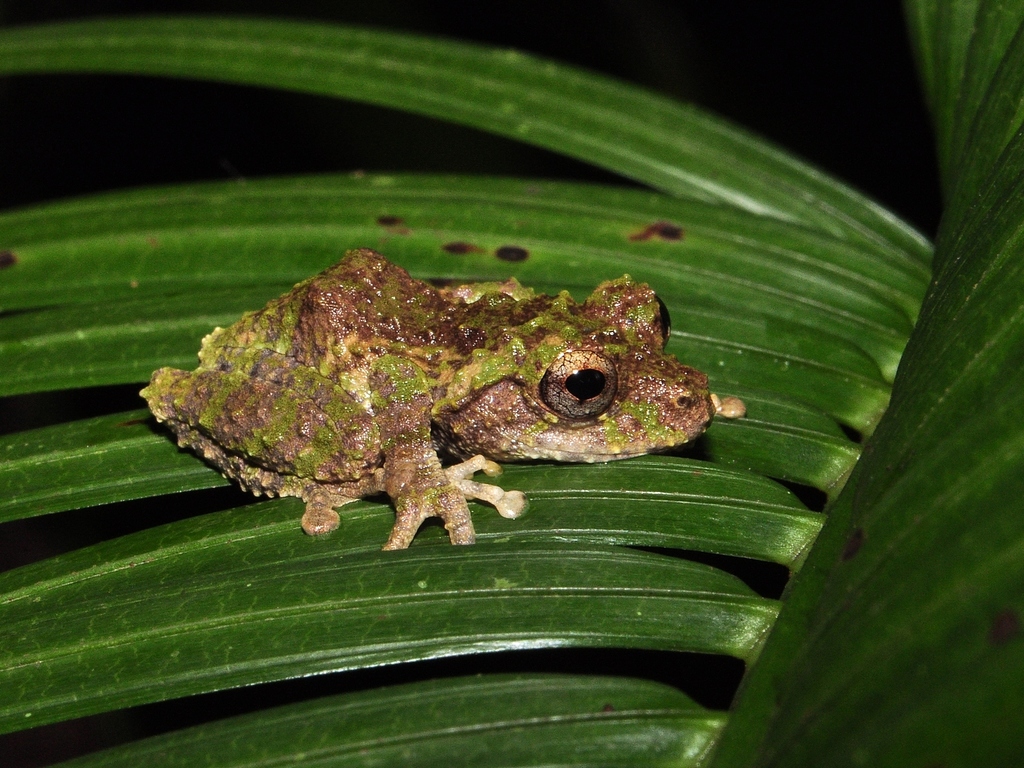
x=909, y=619
x=571, y=720
x=260, y=611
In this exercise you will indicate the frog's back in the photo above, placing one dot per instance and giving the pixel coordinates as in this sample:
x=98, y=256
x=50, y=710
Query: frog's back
x=366, y=302
x=364, y=306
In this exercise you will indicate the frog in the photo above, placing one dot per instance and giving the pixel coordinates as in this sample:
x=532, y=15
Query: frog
x=363, y=380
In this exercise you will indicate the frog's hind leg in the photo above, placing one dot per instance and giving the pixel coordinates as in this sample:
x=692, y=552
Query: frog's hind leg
x=510, y=504
x=277, y=428
x=321, y=500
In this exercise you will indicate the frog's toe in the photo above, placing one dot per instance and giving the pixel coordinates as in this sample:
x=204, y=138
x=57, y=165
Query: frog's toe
x=400, y=538
x=318, y=520
x=455, y=513
x=320, y=517
x=408, y=519
x=466, y=469
x=729, y=407
x=460, y=530
x=510, y=504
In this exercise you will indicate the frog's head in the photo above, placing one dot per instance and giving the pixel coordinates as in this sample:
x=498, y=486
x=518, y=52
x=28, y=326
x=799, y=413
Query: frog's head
x=583, y=382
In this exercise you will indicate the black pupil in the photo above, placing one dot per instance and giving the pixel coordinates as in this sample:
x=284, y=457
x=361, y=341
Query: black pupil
x=585, y=384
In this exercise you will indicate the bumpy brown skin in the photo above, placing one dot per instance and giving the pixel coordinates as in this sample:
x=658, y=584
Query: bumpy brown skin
x=351, y=383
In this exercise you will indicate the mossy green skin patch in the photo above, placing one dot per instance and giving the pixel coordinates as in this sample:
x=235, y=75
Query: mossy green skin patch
x=349, y=384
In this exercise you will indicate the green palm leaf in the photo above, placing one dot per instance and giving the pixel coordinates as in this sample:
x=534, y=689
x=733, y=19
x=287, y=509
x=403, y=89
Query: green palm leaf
x=570, y=720
x=789, y=289
x=901, y=641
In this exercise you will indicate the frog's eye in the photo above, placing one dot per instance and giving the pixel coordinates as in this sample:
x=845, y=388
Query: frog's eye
x=580, y=383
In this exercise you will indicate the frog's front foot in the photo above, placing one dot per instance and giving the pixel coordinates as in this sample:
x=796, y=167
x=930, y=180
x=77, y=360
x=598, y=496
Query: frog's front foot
x=510, y=504
x=446, y=502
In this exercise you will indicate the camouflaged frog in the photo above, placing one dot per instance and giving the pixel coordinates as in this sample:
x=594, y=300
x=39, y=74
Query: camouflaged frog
x=352, y=383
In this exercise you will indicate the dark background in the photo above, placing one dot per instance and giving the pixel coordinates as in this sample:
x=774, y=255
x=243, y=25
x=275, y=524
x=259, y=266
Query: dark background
x=831, y=82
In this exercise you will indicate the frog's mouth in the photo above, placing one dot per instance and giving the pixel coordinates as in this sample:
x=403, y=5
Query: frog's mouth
x=598, y=458
x=596, y=455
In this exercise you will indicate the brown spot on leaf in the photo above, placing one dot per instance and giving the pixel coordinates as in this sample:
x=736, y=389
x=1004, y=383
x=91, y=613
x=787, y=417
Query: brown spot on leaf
x=460, y=248
x=394, y=224
x=1005, y=627
x=7, y=259
x=131, y=422
x=853, y=544
x=153, y=242
x=662, y=230
x=512, y=253
x=608, y=708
